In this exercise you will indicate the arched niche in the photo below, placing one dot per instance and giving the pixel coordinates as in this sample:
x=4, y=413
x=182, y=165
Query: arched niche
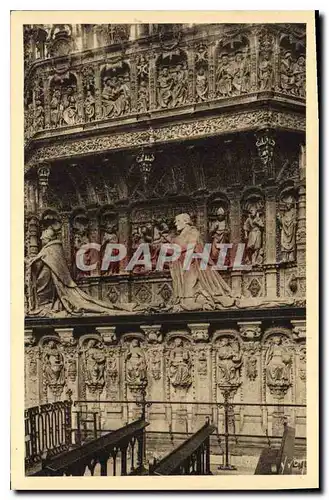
x=232, y=67
x=287, y=198
x=63, y=100
x=115, y=89
x=172, y=79
x=253, y=226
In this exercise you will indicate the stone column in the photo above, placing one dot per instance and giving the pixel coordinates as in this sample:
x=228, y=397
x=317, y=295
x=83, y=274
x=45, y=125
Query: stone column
x=47, y=97
x=133, y=83
x=124, y=230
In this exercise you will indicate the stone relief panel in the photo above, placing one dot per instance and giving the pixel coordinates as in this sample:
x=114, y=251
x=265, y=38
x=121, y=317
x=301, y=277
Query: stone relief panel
x=135, y=365
x=63, y=101
x=292, y=66
x=116, y=90
x=228, y=361
x=233, y=67
x=172, y=80
x=266, y=65
x=143, y=93
x=201, y=73
x=219, y=226
x=89, y=93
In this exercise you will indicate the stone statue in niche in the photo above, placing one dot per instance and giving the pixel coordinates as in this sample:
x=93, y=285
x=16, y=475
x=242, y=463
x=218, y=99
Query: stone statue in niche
x=69, y=106
x=89, y=106
x=179, y=92
x=299, y=72
x=136, y=374
x=143, y=97
x=253, y=233
x=219, y=232
x=196, y=288
x=180, y=365
x=110, y=236
x=201, y=85
x=287, y=72
x=165, y=88
x=39, y=116
x=287, y=221
x=229, y=362
x=278, y=362
x=94, y=364
x=265, y=72
x=56, y=108
x=80, y=230
x=224, y=77
x=52, y=292
x=53, y=365
x=155, y=363
x=240, y=72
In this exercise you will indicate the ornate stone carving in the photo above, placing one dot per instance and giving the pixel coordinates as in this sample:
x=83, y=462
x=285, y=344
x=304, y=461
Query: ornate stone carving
x=302, y=363
x=116, y=90
x=229, y=362
x=202, y=363
x=250, y=330
x=287, y=222
x=278, y=365
x=265, y=63
x=152, y=333
x=180, y=365
x=53, y=367
x=210, y=126
x=292, y=73
x=299, y=329
x=201, y=73
x=88, y=83
x=136, y=371
x=199, y=331
x=112, y=366
x=253, y=228
x=219, y=230
x=265, y=143
x=63, y=102
x=155, y=364
x=66, y=336
x=94, y=360
x=233, y=71
x=107, y=334
x=172, y=88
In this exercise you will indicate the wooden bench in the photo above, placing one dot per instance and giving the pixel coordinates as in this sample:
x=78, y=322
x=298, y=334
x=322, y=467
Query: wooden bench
x=278, y=460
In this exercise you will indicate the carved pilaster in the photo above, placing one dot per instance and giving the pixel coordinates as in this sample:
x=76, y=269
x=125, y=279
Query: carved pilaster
x=29, y=338
x=66, y=237
x=152, y=80
x=152, y=333
x=124, y=231
x=199, y=331
x=270, y=224
x=107, y=333
x=212, y=70
x=298, y=329
x=65, y=335
x=253, y=45
x=33, y=236
x=191, y=74
x=98, y=92
x=47, y=97
x=250, y=330
x=43, y=178
x=133, y=84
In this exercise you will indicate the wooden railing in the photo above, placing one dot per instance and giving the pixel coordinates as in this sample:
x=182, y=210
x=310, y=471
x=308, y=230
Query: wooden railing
x=120, y=445
x=191, y=458
x=47, y=430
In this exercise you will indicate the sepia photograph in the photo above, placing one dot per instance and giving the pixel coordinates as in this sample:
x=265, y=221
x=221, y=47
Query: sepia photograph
x=164, y=206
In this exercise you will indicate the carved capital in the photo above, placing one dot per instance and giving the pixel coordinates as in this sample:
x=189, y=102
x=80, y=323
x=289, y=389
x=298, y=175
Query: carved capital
x=107, y=333
x=199, y=331
x=152, y=333
x=250, y=330
x=29, y=338
x=298, y=329
x=66, y=336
